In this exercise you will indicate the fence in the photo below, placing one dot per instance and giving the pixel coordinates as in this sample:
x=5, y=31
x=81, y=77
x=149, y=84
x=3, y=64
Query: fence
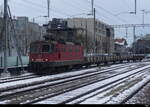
x=13, y=61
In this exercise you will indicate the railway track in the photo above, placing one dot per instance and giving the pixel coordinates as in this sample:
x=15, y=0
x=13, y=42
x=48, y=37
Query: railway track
x=31, y=75
x=55, y=78
x=70, y=96
x=54, y=88
x=110, y=91
x=18, y=78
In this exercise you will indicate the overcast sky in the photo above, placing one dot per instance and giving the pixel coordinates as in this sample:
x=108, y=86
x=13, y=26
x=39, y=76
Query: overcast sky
x=109, y=11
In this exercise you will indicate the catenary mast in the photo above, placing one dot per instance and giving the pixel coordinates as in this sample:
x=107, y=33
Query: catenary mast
x=5, y=34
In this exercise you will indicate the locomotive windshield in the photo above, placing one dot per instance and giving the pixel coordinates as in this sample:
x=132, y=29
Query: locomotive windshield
x=34, y=48
x=48, y=48
x=45, y=48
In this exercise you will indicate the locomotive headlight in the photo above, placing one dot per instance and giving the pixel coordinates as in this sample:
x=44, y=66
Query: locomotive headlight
x=46, y=59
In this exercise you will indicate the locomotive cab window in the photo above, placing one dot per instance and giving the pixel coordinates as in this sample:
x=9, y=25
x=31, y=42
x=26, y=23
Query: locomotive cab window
x=34, y=48
x=52, y=48
x=45, y=48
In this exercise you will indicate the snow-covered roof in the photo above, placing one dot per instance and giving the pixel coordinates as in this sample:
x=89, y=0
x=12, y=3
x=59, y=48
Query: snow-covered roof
x=120, y=41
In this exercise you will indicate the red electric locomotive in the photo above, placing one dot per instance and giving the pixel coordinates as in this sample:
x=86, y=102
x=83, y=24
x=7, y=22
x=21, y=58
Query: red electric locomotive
x=54, y=55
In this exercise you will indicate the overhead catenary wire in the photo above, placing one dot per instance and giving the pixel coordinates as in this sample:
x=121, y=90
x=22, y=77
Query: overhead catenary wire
x=122, y=20
x=108, y=12
x=135, y=16
x=27, y=7
x=74, y=5
x=37, y=7
x=42, y=6
x=125, y=2
x=100, y=16
x=35, y=4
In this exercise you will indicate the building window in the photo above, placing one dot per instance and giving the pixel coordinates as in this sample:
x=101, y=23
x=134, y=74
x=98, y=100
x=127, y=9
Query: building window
x=99, y=25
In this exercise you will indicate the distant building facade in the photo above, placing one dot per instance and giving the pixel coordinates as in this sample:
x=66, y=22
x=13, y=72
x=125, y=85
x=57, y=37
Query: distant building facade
x=142, y=45
x=83, y=28
x=26, y=32
x=103, y=40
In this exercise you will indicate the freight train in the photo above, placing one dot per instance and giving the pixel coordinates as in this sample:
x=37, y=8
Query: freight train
x=51, y=55
x=65, y=48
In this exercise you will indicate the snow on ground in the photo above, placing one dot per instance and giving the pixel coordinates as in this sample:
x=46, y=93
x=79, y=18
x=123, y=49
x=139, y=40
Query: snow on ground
x=38, y=79
x=119, y=97
x=4, y=102
x=44, y=78
x=77, y=92
x=127, y=93
x=29, y=81
x=142, y=97
x=13, y=74
x=8, y=76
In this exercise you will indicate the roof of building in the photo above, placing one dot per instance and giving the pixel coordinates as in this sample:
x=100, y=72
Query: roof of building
x=146, y=37
x=120, y=41
x=80, y=18
x=65, y=29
